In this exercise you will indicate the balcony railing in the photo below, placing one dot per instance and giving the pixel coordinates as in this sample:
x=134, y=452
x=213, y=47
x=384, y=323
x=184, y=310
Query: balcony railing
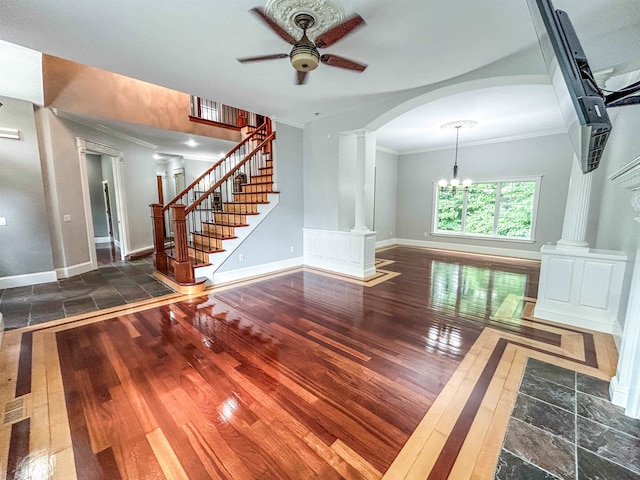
x=225, y=115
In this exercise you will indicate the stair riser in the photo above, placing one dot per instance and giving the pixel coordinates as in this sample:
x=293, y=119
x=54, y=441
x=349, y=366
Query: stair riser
x=221, y=230
x=262, y=178
x=259, y=187
x=199, y=255
x=240, y=208
x=266, y=170
x=230, y=218
x=250, y=197
x=207, y=243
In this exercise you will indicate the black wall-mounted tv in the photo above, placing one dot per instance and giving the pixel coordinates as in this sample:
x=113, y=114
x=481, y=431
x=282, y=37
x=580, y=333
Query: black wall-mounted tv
x=581, y=101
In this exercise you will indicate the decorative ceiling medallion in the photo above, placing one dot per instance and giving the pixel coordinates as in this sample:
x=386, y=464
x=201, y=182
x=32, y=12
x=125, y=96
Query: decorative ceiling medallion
x=326, y=13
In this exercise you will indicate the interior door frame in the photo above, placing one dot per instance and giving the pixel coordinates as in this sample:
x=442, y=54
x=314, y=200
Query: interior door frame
x=117, y=163
x=107, y=208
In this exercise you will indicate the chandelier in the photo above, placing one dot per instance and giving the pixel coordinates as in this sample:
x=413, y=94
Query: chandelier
x=455, y=182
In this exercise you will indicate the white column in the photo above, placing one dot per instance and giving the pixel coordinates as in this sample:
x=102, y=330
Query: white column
x=360, y=181
x=625, y=386
x=576, y=211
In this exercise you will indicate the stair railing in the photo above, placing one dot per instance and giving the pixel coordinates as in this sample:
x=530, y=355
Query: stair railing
x=177, y=224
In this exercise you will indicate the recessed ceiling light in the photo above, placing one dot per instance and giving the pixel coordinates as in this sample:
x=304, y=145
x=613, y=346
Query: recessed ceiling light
x=156, y=156
x=192, y=143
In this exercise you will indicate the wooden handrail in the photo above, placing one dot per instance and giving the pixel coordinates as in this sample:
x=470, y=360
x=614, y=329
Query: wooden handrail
x=216, y=165
x=248, y=157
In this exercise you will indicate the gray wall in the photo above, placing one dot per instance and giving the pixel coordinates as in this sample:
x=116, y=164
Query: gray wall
x=98, y=207
x=64, y=186
x=616, y=228
x=549, y=156
x=386, y=195
x=273, y=238
x=25, y=240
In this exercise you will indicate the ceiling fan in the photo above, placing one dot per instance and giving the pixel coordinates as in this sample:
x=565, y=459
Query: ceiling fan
x=304, y=55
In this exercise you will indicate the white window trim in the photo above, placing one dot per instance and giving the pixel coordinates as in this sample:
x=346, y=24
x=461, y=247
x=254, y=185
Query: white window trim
x=534, y=214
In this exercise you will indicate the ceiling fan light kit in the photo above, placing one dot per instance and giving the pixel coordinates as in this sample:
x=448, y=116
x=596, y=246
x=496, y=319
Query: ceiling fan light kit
x=287, y=18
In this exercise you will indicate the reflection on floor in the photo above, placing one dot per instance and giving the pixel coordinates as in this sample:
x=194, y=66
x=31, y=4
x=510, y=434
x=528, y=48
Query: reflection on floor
x=112, y=285
x=563, y=426
x=294, y=375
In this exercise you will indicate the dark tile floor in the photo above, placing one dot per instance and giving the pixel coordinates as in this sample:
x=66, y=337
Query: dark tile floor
x=114, y=283
x=563, y=426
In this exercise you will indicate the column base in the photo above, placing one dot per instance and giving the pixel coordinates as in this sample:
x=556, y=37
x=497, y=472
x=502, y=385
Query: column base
x=571, y=245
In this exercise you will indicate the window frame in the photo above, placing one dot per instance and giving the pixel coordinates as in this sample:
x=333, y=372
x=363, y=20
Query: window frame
x=537, y=179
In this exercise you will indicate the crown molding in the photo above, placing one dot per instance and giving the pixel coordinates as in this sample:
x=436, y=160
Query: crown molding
x=387, y=150
x=544, y=133
x=104, y=129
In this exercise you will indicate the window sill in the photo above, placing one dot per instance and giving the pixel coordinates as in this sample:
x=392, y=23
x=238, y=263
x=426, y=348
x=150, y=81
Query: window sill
x=483, y=237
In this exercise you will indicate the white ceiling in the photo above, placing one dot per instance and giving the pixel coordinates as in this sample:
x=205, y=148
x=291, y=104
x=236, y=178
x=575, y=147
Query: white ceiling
x=192, y=46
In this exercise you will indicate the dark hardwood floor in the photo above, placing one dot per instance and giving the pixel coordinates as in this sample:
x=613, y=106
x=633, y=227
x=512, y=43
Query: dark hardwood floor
x=297, y=376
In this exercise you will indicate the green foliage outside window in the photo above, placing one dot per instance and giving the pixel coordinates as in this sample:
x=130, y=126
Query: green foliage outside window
x=473, y=211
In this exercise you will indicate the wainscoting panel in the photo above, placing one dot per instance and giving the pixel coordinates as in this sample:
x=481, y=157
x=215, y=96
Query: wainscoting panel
x=349, y=253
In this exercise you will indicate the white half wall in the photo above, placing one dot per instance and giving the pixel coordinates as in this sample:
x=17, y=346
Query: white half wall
x=349, y=253
x=582, y=288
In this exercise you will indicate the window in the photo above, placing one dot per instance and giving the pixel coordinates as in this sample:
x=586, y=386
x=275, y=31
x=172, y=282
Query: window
x=502, y=209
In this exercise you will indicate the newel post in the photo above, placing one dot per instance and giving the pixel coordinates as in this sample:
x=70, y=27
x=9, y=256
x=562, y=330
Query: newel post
x=182, y=268
x=159, y=255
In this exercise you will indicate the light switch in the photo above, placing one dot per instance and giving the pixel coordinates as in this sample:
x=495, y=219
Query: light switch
x=67, y=218
x=3, y=221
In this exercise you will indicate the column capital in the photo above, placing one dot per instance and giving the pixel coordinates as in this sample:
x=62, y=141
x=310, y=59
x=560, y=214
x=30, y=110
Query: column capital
x=362, y=132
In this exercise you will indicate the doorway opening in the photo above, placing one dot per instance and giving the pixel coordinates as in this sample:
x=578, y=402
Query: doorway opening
x=105, y=209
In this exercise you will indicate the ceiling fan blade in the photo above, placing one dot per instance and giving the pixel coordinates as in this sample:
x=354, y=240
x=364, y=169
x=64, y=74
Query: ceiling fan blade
x=341, y=62
x=263, y=57
x=301, y=78
x=334, y=34
x=282, y=33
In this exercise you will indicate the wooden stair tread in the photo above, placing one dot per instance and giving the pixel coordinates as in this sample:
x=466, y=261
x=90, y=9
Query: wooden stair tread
x=226, y=224
x=217, y=237
x=199, y=249
x=245, y=203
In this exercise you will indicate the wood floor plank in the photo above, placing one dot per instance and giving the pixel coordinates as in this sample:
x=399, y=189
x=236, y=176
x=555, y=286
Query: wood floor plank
x=166, y=457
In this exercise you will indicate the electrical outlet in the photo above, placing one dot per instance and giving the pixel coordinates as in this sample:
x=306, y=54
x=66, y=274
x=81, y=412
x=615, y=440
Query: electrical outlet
x=391, y=233
x=241, y=257
x=426, y=234
x=67, y=218
x=291, y=248
x=3, y=222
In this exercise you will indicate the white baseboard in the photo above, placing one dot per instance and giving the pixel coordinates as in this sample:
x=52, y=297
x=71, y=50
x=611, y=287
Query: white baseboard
x=102, y=239
x=140, y=250
x=256, y=270
x=339, y=267
x=28, y=279
x=501, y=252
x=599, y=325
x=72, y=271
x=619, y=396
x=617, y=334
x=386, y=243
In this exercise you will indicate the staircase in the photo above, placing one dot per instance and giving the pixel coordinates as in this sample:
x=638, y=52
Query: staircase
x=197, y=231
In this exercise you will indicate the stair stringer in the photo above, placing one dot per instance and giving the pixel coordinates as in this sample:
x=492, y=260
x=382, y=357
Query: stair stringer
x=242, y=233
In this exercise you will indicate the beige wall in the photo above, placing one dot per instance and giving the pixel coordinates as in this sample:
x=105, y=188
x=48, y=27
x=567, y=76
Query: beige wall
x=76, y=88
